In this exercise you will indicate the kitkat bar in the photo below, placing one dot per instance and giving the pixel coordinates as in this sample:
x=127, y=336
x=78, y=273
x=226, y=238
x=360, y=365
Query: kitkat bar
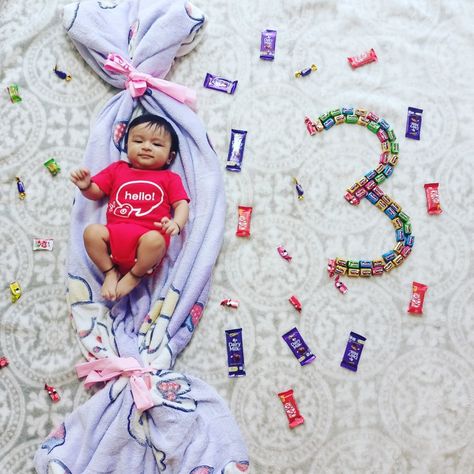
x=362, y=59
x=291, y=408
x=417, y=298
x=433, y=205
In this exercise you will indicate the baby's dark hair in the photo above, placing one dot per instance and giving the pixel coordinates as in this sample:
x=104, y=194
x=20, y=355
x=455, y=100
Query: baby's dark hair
x=157, y=122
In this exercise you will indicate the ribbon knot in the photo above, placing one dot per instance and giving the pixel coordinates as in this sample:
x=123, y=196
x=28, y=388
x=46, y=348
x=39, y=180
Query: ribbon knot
x=138, y=82
x=103, y=370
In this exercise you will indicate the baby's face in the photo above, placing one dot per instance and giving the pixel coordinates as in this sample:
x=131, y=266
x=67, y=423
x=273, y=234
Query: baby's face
x=149, y=147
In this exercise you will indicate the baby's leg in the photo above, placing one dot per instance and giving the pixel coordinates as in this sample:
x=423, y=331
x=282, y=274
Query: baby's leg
x=96, y=241
x=151, y=249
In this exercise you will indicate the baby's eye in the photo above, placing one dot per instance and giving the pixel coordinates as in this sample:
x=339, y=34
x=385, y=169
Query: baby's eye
x=157, y=144
x=137, y=141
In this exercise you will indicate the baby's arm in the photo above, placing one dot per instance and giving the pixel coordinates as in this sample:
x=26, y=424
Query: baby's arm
x=181, y=213
x=82, y=179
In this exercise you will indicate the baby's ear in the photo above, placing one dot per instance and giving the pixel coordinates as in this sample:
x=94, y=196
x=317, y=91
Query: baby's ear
x=171, y=157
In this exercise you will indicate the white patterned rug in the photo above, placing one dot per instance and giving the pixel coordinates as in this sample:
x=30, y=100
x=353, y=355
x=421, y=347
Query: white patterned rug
x=410, y=406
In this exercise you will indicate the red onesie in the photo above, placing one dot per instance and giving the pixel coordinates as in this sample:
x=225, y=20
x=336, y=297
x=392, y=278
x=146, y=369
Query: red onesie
x=137, y=198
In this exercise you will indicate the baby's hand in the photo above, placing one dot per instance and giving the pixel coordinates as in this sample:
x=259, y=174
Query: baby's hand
x=81, y=178
x=168, y=225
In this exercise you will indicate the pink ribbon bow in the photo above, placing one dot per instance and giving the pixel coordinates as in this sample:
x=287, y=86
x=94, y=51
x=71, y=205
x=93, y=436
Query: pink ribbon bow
x=102, y=370
x=138, y=82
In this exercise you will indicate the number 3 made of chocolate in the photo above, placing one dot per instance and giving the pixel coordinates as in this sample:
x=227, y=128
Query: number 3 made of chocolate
x=369, y=187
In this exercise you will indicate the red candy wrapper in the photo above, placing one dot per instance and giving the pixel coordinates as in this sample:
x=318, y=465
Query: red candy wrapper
x=230, y=303
x=3, y=362
x=331, y=267
x=52, y=393
x=433, y=205
x=340, y=285
x=284, y=253
x=295, y=302
x=243, y=224
x=291, y=409
x=362, y=59
x=417, y=298
x=310, y=126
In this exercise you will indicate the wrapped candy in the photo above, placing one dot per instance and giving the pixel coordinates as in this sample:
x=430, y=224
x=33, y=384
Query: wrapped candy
x=295, y=302
x=362, y=59
x=331, y=268
x=21, y=188
x=15, y=291
x=14, y=93
x=433, y=205
x=235, y=352
x=310, y=126
x=417, y=298
x=235, y=154
x=299, y=348
x=340, y=285
x=354, y=347
x=61, y=74
x=291, y=409
x=243, y=223
x=230, y=303
x=284, y=253
x=413, y=126
x=219, y=84
x=299, y=189
x=53, y=394
x=52, y=166
x=267, y=45
x=43, y=244
x=306, y=71
x=3, y=362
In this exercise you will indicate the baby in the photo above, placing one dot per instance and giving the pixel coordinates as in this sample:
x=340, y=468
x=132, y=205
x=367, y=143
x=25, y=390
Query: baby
x=141, y=194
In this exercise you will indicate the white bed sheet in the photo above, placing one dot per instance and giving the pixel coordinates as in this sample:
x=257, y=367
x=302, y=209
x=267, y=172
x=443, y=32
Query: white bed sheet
x=410, y=406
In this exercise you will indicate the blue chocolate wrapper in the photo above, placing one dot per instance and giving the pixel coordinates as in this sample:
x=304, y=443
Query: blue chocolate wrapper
x=236, y=150
x=299, y=348
x=354, y=347
x=267, y=45
x=219, y=84
x=235, y=352
x=413, y=127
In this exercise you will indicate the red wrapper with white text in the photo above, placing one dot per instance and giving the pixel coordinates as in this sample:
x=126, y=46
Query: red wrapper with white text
x=433, y=205
x=417, y=298
x=243, y=224
x=291, y=409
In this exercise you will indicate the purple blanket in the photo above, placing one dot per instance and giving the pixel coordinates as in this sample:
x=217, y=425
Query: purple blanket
x=189, y=429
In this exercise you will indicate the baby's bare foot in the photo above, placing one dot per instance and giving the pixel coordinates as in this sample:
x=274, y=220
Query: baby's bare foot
x=126, y=285
x=109, y=287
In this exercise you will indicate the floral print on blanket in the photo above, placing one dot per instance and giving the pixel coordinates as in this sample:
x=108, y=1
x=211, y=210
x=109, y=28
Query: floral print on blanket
x=235, y=467
x=56, y=438
x=202, y=470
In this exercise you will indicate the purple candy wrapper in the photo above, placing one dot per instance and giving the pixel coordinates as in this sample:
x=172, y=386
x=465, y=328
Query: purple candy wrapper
x=298, y=346
x=235, y=352
x=413, y=128
x=220, y=84
x=267, y=45
x=236, y=150
x=354, y=347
